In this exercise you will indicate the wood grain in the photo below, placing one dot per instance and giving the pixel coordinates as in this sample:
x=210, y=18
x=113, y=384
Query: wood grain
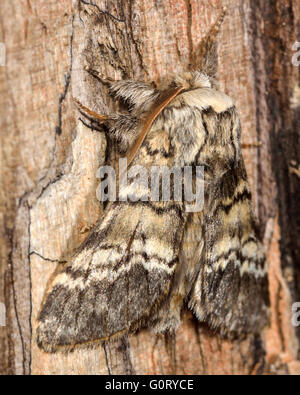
x=49, y=159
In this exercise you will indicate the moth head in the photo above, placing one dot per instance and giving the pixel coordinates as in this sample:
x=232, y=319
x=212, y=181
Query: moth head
x=193, y=80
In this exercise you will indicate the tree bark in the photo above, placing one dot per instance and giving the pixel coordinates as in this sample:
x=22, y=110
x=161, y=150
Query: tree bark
x=49, y=160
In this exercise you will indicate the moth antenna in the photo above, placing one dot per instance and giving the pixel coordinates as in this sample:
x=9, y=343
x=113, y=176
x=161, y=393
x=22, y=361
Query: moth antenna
x=96, y=74
x=206, y=56
x=85, y=110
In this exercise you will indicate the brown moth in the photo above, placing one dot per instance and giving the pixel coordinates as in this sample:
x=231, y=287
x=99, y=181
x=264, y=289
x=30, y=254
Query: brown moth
x=144, y=260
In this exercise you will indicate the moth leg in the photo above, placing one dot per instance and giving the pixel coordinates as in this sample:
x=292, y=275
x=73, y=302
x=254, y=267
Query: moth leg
x=89, y=113
x=137, y=95
x=100, y=77
x=122, y=128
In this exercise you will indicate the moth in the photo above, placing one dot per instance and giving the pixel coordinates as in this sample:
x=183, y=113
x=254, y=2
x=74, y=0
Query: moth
x=145, y=260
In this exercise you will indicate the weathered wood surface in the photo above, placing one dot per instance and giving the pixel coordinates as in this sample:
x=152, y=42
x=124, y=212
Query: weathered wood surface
x=49, y=161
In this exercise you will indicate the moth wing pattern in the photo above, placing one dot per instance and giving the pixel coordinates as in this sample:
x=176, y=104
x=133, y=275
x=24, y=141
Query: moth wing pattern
x=231, y=289
x=124, y=270
x=120, y=274
x=145, y=258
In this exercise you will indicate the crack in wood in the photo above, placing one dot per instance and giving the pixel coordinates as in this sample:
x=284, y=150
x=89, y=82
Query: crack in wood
x=135, y=43
x=104, y=12
x=30, y=288
x=199, y=341
x=58, y=129
x=14, y=295
x=44, y=188
x=125, y=350
x=278, y=316
x=189, y=26
x=106, y=358
x=46, y=259
x=23, y=203
x=121, y=349
x=91, y=126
